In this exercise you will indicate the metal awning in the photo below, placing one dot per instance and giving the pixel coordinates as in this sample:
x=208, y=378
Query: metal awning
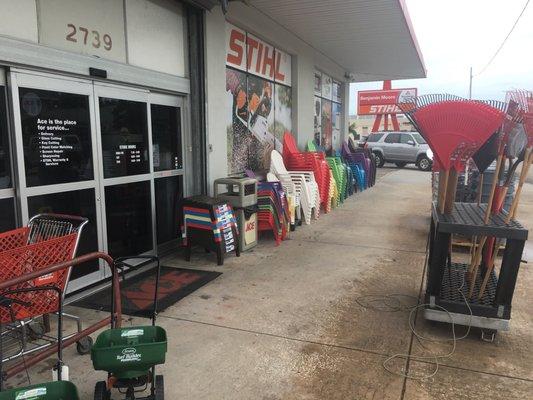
x=371, y=39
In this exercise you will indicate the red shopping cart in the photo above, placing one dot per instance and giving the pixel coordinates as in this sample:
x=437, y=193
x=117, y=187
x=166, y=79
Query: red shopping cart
x=22, y=305
x=47, y=240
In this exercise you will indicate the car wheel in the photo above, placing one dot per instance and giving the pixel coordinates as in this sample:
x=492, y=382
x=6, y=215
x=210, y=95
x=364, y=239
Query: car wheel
x=424, y=164
x=379, y=159
x=400, y=164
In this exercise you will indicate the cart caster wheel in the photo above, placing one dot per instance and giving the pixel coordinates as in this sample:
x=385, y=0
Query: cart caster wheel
x=159, y=388
x=36, y=330
x=84, y=345
x=101, y=392
x=488, y=335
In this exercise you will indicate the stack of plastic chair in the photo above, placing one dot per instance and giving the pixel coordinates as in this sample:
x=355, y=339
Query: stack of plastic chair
x=350, y=181
x=273, y=212
x=358, y=164
x=210, y=223
x=373, y=165
x=293, y=198
x=349, y=178
x=339, y=174
x=333, y=198
x=370, y=161
x=314, y=193
x=308, y=161
x=344, y=174
x=303, y=186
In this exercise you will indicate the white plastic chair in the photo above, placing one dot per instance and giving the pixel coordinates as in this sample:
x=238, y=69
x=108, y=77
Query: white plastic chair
x=303, y=185
x=313, y=192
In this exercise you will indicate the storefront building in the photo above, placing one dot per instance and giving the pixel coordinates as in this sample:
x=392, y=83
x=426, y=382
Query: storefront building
x=115, y=109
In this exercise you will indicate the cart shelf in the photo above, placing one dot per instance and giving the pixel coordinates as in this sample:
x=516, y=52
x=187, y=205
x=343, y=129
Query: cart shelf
x=468, y=219
x=450, y=292
x=445, y=277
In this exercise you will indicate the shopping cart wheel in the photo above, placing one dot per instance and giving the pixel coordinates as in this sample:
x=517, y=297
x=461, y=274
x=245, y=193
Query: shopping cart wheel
x=159, y=388
x=101, y=392
x=36, y=330
x=83, y=346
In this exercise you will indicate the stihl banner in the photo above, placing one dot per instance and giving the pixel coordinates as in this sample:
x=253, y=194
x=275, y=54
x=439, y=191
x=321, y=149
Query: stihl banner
x=247, y=52
x=374, y=102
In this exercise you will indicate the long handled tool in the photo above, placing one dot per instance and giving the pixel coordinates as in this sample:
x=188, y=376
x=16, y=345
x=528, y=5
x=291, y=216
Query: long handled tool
x=474, y=264
x=522, y=135
x=525, y=99
x=507, y=147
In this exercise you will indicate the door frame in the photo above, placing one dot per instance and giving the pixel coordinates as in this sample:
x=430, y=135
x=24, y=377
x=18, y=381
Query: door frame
x=93, y=89
x=39, y=81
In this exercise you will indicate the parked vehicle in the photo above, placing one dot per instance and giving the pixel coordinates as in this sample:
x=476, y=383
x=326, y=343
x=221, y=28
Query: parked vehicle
x=400, y=148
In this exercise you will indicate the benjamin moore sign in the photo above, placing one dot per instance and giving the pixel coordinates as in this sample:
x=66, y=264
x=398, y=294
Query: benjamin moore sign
x=371, y=102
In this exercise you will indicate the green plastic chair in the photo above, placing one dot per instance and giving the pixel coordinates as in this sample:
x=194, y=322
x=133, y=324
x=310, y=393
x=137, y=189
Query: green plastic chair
x=340, y=177
x=311, y=146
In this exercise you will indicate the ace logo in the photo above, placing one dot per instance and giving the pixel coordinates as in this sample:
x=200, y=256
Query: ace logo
x=250, y=226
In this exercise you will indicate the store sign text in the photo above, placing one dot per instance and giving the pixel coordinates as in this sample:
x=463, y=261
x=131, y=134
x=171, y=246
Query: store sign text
x=249, y=53
x=372, y=102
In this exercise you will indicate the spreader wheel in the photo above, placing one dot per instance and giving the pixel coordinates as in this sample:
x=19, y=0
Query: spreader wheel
x=84, y=345
x=159, y=388
x=101, y=392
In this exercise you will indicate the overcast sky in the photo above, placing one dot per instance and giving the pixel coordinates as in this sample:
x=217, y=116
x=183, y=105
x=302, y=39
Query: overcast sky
x=456, y=34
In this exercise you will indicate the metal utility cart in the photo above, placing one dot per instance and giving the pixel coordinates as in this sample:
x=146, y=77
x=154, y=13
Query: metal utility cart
x=492, y=312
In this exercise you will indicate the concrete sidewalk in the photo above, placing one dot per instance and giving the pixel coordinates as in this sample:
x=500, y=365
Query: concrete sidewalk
x=285, y=323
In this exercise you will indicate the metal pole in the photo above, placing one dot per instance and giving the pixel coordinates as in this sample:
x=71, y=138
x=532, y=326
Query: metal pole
x=470, y=86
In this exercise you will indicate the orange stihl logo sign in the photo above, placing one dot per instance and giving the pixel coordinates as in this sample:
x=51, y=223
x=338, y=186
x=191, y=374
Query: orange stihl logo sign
x=249, y=53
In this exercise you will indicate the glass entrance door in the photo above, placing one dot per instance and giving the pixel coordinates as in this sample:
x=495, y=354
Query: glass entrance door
x=166, y=124
x=125, y=169
x=109, y=153
x=56, y=156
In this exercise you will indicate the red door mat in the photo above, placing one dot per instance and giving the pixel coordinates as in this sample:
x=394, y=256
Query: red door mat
x=138, y=291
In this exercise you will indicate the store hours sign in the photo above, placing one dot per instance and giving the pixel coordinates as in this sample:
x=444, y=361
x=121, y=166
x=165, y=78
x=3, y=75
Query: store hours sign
x=93, y=27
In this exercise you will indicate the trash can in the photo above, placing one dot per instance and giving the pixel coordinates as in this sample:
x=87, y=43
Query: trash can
x=241, y=194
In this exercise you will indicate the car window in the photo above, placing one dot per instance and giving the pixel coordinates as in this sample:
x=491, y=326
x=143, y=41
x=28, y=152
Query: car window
x=419, y=139
x=392, y=138
x=374, y=137
x=405, y=138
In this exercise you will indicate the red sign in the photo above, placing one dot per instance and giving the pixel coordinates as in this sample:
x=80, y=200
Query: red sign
x=375, y=102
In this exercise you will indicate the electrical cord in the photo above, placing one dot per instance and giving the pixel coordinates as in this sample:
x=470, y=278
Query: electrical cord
x=421, y=338
x=380, y=302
